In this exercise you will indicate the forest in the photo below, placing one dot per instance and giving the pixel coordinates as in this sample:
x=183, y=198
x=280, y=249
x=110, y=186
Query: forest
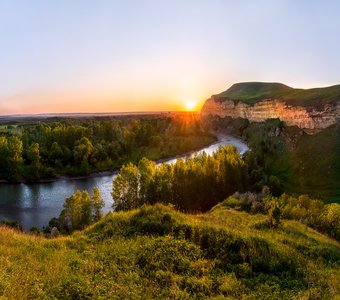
x=42, y=150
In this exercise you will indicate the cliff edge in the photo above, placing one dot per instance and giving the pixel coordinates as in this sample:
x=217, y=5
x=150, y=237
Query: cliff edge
x=310, y=109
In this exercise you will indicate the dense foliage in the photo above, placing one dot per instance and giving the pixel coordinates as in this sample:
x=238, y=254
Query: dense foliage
x=79, y=146
x=158, y=253
x=289, y=160
x=196, y=183
x=312, y=212
x=79, y=211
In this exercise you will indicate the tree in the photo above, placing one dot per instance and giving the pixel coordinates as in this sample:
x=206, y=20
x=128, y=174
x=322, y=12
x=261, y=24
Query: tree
x=80, y=210
x=164, y=184
x=56, y=154
x=330, y=220
x=4, y=156
x=275, y=186
x=274, y=210
x=125, y=188
x=71, y=215
x=146, y=181
x=15, y=150
x=86, y=210
x=33, y=154
x=97, y=204
x=81, y=152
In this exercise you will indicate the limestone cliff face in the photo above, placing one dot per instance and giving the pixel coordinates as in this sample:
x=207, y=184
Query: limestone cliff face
x=306, y=118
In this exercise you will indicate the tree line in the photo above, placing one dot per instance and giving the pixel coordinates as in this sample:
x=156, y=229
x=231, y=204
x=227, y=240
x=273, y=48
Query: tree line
x=191, y=184
x=78, y=147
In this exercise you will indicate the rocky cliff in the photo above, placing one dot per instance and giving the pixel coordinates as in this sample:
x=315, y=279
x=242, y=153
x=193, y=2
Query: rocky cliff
x=258, y=102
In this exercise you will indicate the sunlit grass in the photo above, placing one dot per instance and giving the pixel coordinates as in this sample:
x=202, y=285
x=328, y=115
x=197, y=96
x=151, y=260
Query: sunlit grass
x=157, y=252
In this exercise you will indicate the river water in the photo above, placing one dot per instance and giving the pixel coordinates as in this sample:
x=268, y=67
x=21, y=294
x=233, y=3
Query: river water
x=35, y=204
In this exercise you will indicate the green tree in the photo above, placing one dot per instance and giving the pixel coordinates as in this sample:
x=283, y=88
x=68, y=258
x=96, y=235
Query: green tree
x=33, y=154
x=97, y=204
x=146, y=180
x=274, y=210
x=71, y=216
x=86, y=210
x=330, y=220
x=80, y=210
x=4, y=157
x=81, y=152
x=125, y=192
x=56, y=154
x=15, y=150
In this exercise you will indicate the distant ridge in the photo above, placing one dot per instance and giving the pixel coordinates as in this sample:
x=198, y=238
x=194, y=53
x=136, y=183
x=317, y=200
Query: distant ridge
x=310, y=109
x=253, y=92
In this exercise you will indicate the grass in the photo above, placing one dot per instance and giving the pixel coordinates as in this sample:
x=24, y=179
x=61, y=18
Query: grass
x=253, y=92
x=158, y=253
x=316, y=163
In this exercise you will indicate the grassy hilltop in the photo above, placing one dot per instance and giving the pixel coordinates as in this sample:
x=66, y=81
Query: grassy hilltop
x=157, y=252
x=252, y=92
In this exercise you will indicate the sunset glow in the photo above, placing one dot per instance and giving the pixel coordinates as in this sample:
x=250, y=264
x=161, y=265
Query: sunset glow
x=155, y=56
x=191, y=105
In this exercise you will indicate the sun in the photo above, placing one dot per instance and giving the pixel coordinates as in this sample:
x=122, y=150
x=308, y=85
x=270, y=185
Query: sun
x=190, y=105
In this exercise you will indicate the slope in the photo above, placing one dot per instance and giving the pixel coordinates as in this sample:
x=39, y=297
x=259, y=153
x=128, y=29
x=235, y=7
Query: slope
x=158, y=253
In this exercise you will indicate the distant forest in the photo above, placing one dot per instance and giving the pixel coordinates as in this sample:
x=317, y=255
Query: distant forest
x=34, y=151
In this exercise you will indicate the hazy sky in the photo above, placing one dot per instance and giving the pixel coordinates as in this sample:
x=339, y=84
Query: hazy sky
x=122, y=55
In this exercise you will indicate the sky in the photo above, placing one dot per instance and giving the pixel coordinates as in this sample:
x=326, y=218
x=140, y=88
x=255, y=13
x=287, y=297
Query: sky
x=62, y=56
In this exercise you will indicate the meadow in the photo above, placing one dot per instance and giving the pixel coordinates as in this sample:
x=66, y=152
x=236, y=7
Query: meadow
x=156, y=252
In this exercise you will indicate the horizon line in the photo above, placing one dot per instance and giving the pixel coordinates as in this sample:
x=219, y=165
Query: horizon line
x=96, y=113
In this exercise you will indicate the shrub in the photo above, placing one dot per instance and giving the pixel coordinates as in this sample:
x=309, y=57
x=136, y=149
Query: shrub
x=13, y=224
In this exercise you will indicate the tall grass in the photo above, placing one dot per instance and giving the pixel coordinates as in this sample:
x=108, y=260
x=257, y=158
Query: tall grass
x=156, y=252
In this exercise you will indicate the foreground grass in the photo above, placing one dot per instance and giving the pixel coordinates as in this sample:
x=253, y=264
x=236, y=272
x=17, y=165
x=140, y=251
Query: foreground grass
x=157, y=252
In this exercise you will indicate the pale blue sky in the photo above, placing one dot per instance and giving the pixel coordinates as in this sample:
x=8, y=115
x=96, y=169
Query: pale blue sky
x=80, y=55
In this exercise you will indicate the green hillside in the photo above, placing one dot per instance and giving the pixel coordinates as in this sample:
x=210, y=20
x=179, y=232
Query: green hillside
x=252, y=92
x=305, y=164
x=315, y=165
x=158, y=253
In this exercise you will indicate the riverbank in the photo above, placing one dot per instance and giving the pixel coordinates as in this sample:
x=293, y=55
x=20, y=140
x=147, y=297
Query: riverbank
x=34, y=204
x=214, y=139
x=221, y=139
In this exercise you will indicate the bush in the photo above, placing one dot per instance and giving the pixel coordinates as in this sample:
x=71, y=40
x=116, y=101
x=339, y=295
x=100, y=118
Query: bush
x=330, y=220
x=13, y=224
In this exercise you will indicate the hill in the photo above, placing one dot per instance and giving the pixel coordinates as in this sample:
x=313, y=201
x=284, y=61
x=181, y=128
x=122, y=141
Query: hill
x=303, y=163
x=253, y=92
x=156, y=252
x=310, y=109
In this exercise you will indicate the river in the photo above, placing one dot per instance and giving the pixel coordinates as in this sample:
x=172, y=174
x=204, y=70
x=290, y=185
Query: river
x=33, y=205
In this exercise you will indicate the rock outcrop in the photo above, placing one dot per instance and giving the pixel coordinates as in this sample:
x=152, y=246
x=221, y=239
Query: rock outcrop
x=309, y=118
